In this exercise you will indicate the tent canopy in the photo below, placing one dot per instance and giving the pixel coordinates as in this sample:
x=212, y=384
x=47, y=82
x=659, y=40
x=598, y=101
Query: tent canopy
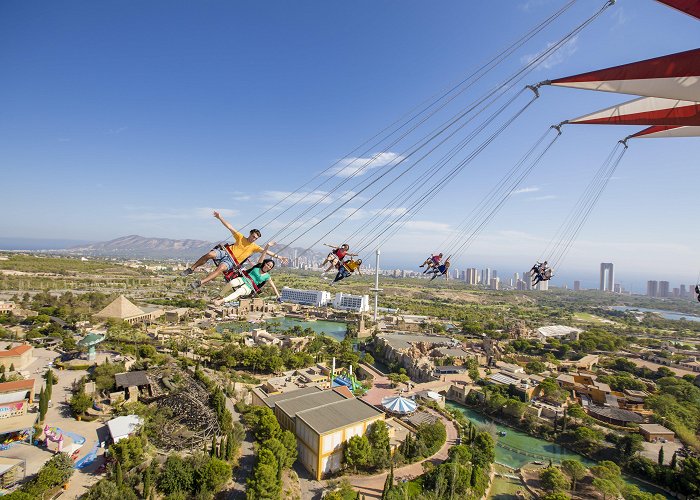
x=399, y=405
x=666, y=131
x=675, y=76
x=646, y=111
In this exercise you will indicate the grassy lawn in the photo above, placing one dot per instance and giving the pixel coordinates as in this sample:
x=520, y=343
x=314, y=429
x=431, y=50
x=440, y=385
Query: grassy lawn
x=505, y=489
x=591, y=318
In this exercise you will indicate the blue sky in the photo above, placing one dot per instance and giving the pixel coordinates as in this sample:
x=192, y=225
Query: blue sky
x=141, y=117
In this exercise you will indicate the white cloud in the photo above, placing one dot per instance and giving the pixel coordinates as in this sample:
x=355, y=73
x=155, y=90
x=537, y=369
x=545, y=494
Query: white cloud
x=116, y=131
x=240, y=196
x=526, y=190
x=543, y=198
x=349, y=166
x=533, y=4
x=557, y=57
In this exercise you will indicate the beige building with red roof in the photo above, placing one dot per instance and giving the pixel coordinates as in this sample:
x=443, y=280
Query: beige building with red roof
x=20, y=356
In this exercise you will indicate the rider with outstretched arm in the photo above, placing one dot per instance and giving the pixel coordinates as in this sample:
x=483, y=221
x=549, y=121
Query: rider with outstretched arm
x=243, y=248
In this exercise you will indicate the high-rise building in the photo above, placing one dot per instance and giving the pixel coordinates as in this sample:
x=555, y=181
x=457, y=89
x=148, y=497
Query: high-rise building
x=683, y=291
x=663, y=288
x=652, y=288
x=607, y=277
x=542, y=285
x=495, y=283
x=618, y=288
x=516, y=277
x=486, y=276
x=527, y=280
x=676, y=292
x=494, y=274
x=472, y=276
x=577, y=286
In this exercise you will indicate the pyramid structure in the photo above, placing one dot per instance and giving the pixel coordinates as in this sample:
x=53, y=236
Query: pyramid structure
x=120, y=308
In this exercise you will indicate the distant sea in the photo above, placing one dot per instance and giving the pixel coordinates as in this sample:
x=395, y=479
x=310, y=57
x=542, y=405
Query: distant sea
x=38, y=243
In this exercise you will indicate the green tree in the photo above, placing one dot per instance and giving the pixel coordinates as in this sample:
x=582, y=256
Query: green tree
x=575, y=470
x=212, y=475
x=290, y=443
x=378, y=437
x=80, y=402
x=535, y=367
x=108, y=490
x=43, y=404
x=147, y=480
x=388, y=483
x=119, y=475
x=177, y=476
x=689, y=477
x=263, y=483
x=281, y=454
x=553, y=479
x=368, y=358
x=483, y=450
x=608, y=470
x=555, y=495
x=661, y=456
x=357, y=452
x=605, y=487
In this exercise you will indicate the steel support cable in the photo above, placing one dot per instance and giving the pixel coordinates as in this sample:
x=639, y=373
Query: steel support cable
x=485, y=68
x=387, y=172
x=462, y=228
x=420, y=181
x=458, y=251
x=524, y=70
x=452, y=153
x=578, y=207
x=556, y=46
x=399, y=224
x=406, y=155
x=558, y=259
x=394, y=227
x=280, y=234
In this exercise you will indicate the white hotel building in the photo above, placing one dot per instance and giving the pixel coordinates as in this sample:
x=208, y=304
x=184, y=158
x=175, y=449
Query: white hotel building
x=305, y=297
x=349, y=302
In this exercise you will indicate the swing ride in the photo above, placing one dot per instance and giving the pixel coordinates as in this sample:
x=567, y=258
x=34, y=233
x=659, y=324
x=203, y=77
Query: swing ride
x=441, y=138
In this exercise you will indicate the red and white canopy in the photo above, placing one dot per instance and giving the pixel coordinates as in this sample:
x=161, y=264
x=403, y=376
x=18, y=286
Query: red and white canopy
x=663, y=131
x=675, y=76
x=690, y=7
x=646, y=111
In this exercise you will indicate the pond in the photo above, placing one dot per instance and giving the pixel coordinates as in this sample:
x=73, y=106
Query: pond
x=664, y=314
x=332, y=329
x=516, y=448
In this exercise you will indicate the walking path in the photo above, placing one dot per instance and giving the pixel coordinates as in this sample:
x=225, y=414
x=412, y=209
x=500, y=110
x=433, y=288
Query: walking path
x=372, y=486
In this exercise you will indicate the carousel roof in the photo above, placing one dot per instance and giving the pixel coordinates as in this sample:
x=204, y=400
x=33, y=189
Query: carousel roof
x=399, y=405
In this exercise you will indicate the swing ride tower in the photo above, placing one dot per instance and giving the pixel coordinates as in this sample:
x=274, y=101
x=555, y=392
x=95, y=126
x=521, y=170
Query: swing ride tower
x=376, y=288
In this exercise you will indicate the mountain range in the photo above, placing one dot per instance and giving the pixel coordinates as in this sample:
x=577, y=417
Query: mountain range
x=134, y=246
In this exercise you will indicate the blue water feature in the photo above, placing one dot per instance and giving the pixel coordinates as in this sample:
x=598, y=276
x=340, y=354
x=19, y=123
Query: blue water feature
x=89, y=458
x=332, y=329
x=515, y=449
x=664, y=314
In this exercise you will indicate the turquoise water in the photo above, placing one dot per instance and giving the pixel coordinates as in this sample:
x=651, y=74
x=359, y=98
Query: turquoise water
x=516, y=448
x=664, y=314
x=330, y=328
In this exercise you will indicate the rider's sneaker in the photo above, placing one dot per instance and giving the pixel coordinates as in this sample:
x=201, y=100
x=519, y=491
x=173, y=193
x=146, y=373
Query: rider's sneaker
x=186, y=272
